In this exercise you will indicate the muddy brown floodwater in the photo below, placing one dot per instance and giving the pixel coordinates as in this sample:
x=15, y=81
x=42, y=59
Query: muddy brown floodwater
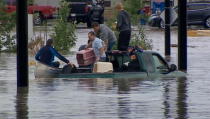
x=112, y=98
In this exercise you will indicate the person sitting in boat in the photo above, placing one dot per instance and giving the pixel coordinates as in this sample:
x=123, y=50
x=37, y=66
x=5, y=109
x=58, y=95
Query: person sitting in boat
x=106, y=34
x=47, y=53
x=98, y=46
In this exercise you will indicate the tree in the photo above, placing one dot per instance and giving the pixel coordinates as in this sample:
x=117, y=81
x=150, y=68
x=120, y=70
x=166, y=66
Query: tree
x=64, y=32
x=30, y=2
x=7, y=24
x=140, y=39
x=132, y=6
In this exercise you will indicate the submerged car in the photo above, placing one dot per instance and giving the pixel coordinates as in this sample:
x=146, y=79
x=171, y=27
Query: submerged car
x=138, y=64
x=198, y=13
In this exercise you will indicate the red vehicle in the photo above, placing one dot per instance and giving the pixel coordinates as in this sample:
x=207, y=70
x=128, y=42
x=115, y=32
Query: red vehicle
x=40, y=13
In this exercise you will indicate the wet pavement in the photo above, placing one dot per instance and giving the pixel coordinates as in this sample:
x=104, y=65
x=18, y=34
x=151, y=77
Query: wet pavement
x=112, y=98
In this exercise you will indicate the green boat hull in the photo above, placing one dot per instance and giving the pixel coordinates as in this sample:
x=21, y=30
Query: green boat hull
x=56, y=73
x=147, y=64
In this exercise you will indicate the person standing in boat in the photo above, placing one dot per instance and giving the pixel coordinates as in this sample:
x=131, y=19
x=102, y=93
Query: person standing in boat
x=47, y=53
x=98, y=46
x=124, y=27
x=106, y=34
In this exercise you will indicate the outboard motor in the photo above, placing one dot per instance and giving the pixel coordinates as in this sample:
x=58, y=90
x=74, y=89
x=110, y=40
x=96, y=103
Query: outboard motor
x=68, y=69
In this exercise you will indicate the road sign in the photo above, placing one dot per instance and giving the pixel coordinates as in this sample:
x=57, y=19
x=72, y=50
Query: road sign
x=173, y=16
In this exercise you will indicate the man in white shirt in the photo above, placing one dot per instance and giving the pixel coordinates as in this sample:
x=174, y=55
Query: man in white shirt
x=98, y=46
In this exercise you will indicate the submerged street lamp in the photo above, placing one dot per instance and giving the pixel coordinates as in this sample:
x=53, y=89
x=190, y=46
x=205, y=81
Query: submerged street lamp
x=22, y=43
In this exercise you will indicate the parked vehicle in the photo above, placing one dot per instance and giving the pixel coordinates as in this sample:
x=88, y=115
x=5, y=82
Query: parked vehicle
x=40, y=13
x=198, y=13
x=86, y=11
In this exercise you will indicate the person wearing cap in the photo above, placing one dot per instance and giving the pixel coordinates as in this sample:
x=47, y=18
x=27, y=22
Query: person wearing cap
x=47, y=53
x=124, y=27
x=106, y=34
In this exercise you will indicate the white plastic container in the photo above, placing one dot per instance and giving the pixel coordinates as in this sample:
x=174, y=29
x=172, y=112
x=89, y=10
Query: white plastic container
x=103, y=67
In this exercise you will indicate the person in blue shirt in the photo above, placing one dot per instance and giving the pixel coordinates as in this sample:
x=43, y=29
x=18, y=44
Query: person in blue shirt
x=47, y=53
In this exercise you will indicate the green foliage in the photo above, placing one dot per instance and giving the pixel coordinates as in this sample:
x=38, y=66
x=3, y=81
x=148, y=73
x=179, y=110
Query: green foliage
x=64, y=32
x=111, y=22
x=30, y=2
x=7, y=24
x=132, y=6
x=115, y=45
x=139, y=39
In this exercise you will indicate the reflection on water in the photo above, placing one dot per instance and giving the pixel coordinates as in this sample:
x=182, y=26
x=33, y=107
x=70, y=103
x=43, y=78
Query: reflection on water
x=94, y=98
x=22, y=103
x=124, y=108
x=182, y=99
x=123, y=86
x=175, y=99
x=103, y=98
x=99, y=98
x=166, y=102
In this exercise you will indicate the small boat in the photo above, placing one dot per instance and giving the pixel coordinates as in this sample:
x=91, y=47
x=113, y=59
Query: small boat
x=139, y=64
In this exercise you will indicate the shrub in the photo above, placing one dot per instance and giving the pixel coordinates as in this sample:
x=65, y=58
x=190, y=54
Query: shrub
x=30, y=2
x=140, y=39
x=133, y=6
x=64, y=31
x=7, y=24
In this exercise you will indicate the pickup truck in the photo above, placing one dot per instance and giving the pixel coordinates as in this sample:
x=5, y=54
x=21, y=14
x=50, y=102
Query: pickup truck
x=86, y=11
x=140, y=64
x=40, y=13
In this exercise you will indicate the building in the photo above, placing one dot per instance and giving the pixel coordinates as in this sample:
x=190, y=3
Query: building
x=110, y=3
x=54, y=3
x=109, y=8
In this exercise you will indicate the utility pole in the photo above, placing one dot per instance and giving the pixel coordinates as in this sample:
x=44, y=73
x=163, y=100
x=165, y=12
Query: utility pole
x=182, y=35
x=167, y=28
x=22, y=43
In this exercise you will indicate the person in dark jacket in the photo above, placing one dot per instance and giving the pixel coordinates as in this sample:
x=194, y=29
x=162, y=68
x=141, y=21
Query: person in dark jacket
x=47, y=53
x=124, y=27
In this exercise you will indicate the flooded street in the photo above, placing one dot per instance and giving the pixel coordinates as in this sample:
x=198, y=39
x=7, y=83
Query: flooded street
x=183, y=98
